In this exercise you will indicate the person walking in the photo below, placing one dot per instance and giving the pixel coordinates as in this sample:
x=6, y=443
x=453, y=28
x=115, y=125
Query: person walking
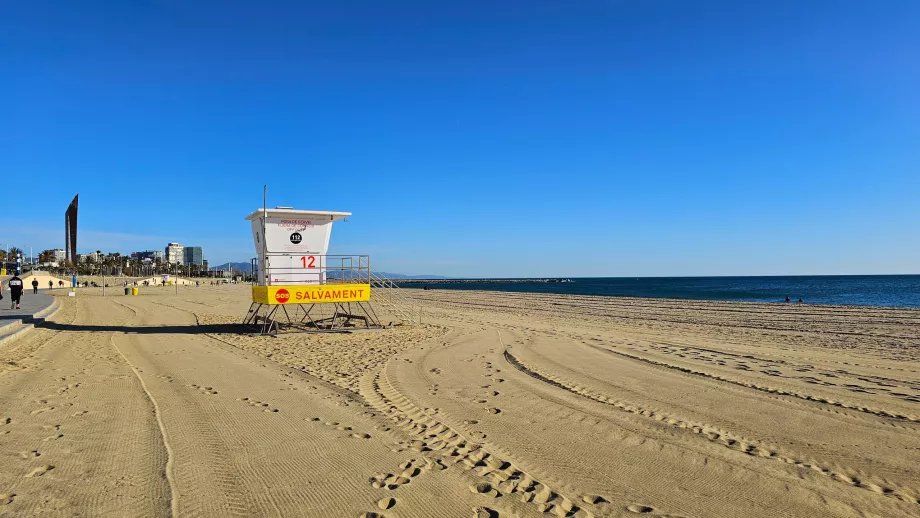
x=15, y=284
x=34, y=286
x=50, y=285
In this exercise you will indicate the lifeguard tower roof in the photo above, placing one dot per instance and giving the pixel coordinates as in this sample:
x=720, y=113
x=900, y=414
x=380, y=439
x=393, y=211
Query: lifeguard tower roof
x=280, y=212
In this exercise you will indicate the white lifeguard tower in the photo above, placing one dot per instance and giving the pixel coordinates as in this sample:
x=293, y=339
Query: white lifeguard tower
x=297, y=285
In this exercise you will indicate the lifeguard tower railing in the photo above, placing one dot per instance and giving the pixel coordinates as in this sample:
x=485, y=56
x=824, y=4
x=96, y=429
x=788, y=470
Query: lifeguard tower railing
x=288, y=269
x=292, y=269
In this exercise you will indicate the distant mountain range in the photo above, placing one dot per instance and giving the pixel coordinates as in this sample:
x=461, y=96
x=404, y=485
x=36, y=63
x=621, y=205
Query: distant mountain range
x=244, y=267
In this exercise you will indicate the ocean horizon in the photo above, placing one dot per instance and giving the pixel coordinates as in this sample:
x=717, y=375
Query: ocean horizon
x=859, y=290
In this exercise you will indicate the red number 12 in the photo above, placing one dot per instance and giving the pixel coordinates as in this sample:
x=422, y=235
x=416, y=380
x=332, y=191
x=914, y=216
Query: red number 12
x=304, y=259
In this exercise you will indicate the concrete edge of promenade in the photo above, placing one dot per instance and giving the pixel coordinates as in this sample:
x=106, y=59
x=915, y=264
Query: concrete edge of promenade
x=35, y=309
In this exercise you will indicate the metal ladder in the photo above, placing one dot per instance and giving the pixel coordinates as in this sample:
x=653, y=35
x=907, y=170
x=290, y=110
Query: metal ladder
x=390, y=296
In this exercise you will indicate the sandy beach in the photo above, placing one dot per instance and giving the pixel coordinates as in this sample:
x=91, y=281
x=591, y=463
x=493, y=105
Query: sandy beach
x=498, y=405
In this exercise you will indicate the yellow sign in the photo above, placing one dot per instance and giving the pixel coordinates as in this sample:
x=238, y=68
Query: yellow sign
x=311, y=294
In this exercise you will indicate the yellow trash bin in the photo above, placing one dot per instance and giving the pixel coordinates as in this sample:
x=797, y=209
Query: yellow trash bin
x=134, y=291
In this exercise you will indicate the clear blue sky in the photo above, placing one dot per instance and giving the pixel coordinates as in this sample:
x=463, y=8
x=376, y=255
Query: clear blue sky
x=518, y=138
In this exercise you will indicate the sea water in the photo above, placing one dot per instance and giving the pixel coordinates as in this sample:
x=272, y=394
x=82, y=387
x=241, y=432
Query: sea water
x=868, y=290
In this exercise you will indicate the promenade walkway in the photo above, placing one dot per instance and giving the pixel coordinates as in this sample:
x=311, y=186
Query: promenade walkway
x=13, y=321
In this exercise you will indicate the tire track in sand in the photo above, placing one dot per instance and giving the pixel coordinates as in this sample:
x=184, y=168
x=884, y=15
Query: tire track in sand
x=762, y=388
x=497, y=476
x=715, y=435
x=170, y=455
x=230, y=498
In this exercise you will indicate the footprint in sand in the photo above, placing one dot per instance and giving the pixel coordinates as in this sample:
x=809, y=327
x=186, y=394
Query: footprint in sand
x=7, y=498
x=30, y=454
x=39, y=471
x=386, y=503
x=361, y=435
x=485, y=488
x=394, y=482
x=258, y=404
x=494, y=410
x=206, y=390
x=42, y=410
x=593, y=499
x=53, y=437
x=640, y=509
x=5, y=420
x=81, y=413
x=484, y=512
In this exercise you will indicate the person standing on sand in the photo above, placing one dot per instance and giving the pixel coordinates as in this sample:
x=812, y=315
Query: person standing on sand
x=50, y=285
x=34, y=286
x=787, y=298
x=15, y=284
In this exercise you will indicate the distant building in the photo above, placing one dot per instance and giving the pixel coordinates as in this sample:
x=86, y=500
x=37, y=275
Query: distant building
x=90, y=257
x=175, y=253
x=148, y=256
x=59, y=255
x=204, y=264
x=192, y=255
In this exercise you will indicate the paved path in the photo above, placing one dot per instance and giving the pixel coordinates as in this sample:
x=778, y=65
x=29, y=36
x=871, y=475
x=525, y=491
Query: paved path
x=31, y=304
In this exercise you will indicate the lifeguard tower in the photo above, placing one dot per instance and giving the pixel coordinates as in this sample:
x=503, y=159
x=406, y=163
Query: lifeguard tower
x=298, y=286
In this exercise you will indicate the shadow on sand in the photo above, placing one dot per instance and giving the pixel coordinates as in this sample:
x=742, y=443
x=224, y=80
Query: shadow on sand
x=192, y=329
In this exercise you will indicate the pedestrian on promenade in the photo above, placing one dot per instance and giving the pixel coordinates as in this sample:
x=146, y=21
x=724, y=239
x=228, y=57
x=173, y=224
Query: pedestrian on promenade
x=34, y=286
x=15, y=284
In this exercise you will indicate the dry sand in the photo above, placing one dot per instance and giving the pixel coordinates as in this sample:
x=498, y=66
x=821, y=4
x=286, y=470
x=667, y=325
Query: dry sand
x=501, y=405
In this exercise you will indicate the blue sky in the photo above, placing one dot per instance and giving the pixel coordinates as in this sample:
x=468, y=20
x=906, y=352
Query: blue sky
x=614, y=138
